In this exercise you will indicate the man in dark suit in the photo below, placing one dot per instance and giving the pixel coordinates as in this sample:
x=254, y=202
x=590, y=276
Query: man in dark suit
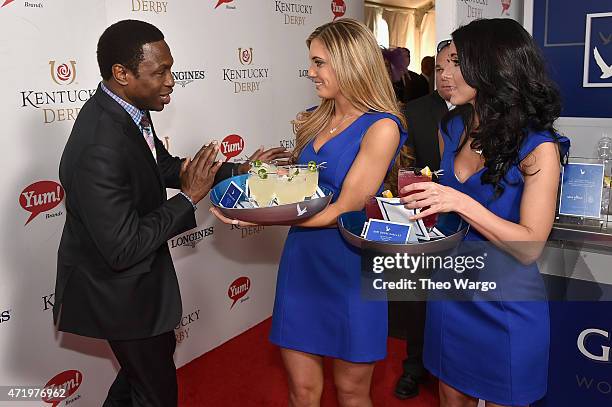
x=423, y=116
x=115, y=276
x=411, y=85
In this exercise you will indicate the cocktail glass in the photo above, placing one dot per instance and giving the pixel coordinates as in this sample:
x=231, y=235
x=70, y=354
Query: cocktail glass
x=262, y=190
x=412, y=175
x=372, y=209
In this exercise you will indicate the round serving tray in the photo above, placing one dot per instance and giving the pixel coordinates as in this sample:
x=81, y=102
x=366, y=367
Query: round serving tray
x=275, y=215
x=453, y=226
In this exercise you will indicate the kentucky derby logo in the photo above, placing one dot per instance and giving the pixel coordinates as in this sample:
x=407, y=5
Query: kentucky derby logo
x=245, y=56
x=63, y=74
x=338, y=8
x=247, y=78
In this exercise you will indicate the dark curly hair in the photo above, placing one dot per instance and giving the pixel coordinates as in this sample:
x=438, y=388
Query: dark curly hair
x=122, y=42
x=514, y=95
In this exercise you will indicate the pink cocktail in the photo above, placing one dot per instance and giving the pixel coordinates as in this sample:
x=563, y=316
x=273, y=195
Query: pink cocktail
x=407, y=176
x=372, y=209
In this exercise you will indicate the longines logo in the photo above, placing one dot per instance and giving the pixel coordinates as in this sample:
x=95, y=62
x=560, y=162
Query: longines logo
x=5, y=316
x=148, y=6
x=193, y=238
x=338, y=8
x=248, y=231
x=184, y=78
x=227, y=6
x=62, y=74
x=246, y=79
x=41, y=196
x=293, y=13
x=182, y=329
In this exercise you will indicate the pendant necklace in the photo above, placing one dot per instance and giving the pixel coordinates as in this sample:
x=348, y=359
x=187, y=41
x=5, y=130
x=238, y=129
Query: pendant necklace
x=332, y=131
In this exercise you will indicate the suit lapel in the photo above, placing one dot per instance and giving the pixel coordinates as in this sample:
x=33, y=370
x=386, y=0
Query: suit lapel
x=130, y=130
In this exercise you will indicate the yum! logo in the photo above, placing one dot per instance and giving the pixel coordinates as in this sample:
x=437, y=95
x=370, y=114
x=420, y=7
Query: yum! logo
x=40, y=197
x=220, y=2
x=62, y=386
x=338, y=8
x=231, y=146
x=63, y=74
x=505, y=7
x=238, y=289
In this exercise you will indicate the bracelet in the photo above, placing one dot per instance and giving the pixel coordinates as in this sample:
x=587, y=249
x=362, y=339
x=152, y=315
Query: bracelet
x=189, y=199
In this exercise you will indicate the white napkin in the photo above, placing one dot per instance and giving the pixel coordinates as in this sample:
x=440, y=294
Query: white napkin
x=247, y=204
x=318, y=194
x=393, y=210
x=435, y=234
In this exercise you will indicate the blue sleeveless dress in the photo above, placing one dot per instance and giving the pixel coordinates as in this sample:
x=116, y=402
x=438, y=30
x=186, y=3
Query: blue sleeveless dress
x=318, y=307
x=493, y=350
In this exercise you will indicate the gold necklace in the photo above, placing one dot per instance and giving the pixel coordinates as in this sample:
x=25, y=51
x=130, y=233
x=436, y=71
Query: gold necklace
x=332, y=131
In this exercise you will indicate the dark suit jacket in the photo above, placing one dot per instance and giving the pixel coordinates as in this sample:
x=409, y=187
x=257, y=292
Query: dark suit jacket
x=115, y=277
x=423, y=116
x=411, y=86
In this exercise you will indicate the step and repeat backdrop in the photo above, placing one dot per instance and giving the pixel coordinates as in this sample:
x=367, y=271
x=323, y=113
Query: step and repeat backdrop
x=240, y=70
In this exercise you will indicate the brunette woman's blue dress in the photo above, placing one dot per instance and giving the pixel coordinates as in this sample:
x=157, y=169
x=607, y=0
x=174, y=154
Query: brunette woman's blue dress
x=493, y=350
x=318, y=307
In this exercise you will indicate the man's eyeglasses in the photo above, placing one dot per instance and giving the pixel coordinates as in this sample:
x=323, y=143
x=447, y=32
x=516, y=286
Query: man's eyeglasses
x=442, y=45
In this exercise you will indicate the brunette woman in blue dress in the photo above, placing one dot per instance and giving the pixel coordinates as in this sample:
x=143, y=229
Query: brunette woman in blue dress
x=501, y=159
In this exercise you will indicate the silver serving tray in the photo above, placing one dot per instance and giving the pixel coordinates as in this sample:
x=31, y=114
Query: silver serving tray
x=275, y=215
x=453, y=226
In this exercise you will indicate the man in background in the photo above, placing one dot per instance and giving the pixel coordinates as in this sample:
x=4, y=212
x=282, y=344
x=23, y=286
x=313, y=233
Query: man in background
x=427, y=71
x=411, y=85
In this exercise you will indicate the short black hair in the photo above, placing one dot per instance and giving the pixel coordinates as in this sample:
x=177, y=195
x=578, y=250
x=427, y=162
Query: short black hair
x=122, y=42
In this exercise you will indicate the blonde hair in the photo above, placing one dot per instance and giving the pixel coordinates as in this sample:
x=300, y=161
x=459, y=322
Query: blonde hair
x=362, y=77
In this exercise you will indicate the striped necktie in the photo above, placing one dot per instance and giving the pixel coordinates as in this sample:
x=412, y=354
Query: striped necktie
x=147, y=131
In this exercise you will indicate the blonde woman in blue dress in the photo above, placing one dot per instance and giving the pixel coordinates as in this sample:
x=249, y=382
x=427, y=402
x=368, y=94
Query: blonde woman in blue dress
x=357, y=130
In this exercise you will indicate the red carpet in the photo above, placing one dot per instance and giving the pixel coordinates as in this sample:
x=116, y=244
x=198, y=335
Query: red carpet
x=248, y=371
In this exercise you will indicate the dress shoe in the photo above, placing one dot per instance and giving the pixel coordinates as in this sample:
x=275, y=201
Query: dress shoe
x=407, y=387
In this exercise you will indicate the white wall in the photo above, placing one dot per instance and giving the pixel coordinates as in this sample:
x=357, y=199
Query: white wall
x=36, y=44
